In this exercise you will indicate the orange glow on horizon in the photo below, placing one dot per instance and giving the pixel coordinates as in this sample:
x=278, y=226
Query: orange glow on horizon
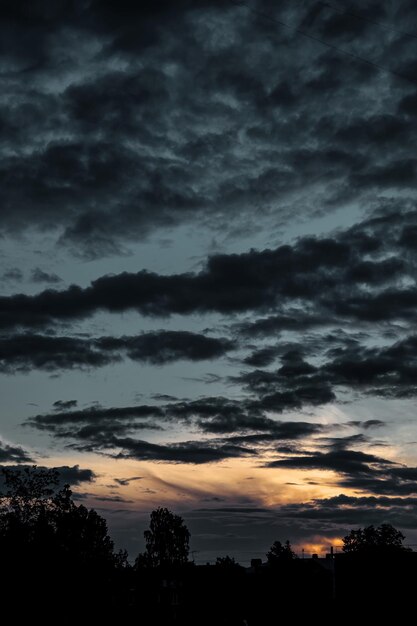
x=237, y=482
x=318, y=545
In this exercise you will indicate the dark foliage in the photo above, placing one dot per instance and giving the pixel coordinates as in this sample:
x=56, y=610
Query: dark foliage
x=49, y=542
x=226, y=562
x=383, y=538
x=167, y=541
x=279, y=552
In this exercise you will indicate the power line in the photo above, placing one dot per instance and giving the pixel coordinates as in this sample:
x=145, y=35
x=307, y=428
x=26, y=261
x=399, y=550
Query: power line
x=358, y=16
x=331, y=46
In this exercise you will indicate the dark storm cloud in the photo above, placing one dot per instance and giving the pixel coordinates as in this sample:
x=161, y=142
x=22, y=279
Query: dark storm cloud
x=73, y=476
x=396, y=480
x=123, y=482
x=294, y=385
x=344, y=276
x=112, y=499
x=215, y=415
x=388, y=371
x=295, y=320
x=219, y=414
x=165, y=346
x=98, y=422
x=121, y=169
x=380, y=484
x=355, y=469
x=341, y=443
x=345, y=25
x=194, y=452
x=408, y=104
x=350, y=511
x=29, y=351
x=358, y=274
x=341, y=461
x=238, y=509
x=269, y=428
x=64, y=405
x=13, y=454
x=367, y=424
x=261, y=357
x=40, y=276
x=26, y=352
x=13, y=274
x=240, y=429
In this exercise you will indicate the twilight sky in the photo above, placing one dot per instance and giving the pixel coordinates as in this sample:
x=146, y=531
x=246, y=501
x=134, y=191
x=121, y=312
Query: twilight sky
x=208, y=263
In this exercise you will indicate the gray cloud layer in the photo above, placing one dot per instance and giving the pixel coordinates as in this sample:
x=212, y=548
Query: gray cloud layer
x=363, y=274
x=91, y=145
x=26, y=351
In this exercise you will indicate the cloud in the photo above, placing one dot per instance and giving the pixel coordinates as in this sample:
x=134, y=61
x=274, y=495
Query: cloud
x=73, y=476
x=123, y=482
x=261, y=357
x=268, y=429
x=14, y=454
x=64, y=405
x=29, y=351
x=347, y=511
x=368, y=424
x=238, y=509
x=249, y=152
x=215, y=415
x=294, y=320
x=40, y=276
x=97, y=424
x=341, y=461
x=388, y=371
x=239, y=430
x=310, y=271
x=355, y=469
x=408, y=104
x=193, y=452
x=13, y=274
x=22, y=353
x=167, y=346
x=112, y=499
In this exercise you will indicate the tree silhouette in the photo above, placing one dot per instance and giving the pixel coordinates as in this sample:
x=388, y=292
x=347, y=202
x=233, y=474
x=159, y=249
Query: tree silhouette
x=383, y=538
x=37, y=514
x=167, y=540
x=226, y=562
x=48, y=543
x=279, y=552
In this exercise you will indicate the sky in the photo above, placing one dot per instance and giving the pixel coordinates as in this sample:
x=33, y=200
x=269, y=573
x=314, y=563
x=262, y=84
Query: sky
x=208, y=263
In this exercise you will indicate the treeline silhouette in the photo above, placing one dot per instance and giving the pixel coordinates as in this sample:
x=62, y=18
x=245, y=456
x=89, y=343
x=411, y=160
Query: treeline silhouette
x=58, y=561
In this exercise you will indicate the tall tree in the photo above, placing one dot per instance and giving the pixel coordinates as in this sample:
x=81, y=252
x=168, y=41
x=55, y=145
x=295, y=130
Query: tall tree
x=167, y=540
x=37, y=515
x=52, y=548
x=279, y=552
x=383, y=538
